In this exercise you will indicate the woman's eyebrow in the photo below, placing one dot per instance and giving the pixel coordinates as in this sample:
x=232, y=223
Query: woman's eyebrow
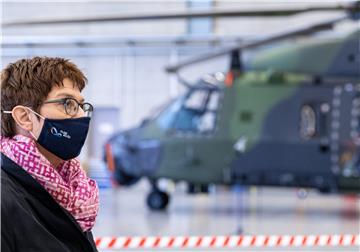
x=81, y=100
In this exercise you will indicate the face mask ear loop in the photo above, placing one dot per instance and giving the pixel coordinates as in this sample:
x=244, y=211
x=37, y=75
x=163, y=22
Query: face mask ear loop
x=36, y=113
x=32, y=134
x=10, y=112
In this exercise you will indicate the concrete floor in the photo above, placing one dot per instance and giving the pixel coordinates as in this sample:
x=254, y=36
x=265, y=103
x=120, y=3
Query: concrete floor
x=265, y=211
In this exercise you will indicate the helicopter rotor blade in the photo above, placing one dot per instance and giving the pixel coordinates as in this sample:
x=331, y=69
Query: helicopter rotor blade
x=190, y=14
x=266, y=40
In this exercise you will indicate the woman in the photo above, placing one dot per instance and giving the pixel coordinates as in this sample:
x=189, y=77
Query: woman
x=47, y=201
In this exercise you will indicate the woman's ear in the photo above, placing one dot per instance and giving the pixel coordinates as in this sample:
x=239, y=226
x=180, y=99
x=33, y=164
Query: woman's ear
x=22, y=118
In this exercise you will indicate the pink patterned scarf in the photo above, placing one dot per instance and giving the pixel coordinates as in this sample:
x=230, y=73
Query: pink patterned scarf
x=67, y=183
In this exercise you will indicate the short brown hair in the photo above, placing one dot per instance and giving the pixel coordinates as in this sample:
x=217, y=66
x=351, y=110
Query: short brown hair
x=28, y=82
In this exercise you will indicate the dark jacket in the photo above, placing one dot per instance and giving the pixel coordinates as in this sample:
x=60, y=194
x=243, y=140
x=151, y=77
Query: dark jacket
x=32, y=221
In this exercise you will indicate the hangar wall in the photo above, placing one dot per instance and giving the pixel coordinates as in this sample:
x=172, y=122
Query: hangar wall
x=125, y=61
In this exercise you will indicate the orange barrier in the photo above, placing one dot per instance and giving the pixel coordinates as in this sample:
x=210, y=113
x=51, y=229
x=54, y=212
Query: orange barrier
x=201, y=242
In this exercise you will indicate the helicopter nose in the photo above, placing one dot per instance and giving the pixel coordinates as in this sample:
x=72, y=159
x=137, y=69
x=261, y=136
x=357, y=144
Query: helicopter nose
x=131, y=148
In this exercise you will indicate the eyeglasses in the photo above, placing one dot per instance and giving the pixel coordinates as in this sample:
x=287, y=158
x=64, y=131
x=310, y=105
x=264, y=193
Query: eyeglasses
x=71, y=106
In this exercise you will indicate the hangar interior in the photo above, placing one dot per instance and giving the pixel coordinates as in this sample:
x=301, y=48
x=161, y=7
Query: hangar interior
x=127, y=83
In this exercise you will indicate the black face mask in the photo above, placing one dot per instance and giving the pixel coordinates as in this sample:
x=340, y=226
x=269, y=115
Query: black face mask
x=64, y=137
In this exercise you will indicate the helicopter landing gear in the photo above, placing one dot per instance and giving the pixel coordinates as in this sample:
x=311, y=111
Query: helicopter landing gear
x=157, y=199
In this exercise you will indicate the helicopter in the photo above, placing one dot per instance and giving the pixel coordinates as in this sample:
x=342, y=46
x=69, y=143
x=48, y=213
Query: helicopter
x=290, y=117
x=290, y=120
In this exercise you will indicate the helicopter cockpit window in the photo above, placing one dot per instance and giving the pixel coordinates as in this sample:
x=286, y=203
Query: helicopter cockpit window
x=208, y=120
x=196, y=100
x=192, y=109
x=213, y=101
x=194, y=112
x=307, y=122
x=167, y=117
x=198, y=113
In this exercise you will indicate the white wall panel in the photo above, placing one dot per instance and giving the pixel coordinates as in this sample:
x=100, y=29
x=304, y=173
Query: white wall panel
x=16, y=10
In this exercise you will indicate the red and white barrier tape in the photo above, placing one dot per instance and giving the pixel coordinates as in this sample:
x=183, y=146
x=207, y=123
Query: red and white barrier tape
x=227, y=241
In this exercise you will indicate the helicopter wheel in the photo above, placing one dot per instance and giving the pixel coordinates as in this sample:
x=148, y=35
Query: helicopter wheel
x=157, y=200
